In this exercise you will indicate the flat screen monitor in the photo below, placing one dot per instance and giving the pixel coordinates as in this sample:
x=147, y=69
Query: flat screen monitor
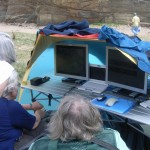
x=122, y=72
x=97, y=72
x=71, y=61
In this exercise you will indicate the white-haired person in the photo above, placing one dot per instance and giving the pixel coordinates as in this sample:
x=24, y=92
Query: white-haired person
x=74, y=125
x=8, y=54
x=18, y=128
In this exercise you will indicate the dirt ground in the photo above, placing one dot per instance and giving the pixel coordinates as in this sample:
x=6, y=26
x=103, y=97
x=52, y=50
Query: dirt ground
x=24, y=28
x=32, y=28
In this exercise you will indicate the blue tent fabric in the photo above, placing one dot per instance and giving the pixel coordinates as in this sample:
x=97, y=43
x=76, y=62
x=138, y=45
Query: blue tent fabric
x=70, y=27
x=131, y=45
x=117, y=38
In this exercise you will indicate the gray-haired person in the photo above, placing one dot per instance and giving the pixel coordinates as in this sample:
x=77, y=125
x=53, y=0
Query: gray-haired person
x=18, y=128
x=74, y=124
x=7, y=50
x=8, y=54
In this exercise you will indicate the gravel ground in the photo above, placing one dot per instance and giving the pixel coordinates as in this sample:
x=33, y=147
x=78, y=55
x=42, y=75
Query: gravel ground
x=25, y=28
x=32, y=28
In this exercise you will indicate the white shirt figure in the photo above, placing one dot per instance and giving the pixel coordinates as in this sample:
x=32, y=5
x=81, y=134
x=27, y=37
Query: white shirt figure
x=135, y=24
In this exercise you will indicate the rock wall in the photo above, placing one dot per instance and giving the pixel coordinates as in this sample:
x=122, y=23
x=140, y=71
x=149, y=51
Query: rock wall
x=56, y=11
x=3, y=9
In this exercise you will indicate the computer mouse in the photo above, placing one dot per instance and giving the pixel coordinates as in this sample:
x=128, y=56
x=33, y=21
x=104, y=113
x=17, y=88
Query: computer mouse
x=111, y=101
x=101, y=98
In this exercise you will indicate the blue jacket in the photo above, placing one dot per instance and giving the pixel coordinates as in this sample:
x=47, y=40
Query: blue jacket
x=13, y=118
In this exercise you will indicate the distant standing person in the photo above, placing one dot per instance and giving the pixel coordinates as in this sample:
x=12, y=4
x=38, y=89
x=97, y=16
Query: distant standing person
x=135, y=24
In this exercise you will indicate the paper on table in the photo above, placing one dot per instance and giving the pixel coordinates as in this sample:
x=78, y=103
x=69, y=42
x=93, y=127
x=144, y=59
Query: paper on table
x=145, y=104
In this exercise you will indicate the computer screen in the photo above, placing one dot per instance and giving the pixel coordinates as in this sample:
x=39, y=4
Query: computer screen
x=123, y=72
x=97, y=72
x=71, y=61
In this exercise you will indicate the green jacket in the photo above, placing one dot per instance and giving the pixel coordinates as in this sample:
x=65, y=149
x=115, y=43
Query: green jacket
x=45, y=143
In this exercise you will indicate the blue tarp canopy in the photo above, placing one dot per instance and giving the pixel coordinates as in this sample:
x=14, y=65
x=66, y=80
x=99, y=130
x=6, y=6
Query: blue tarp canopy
x=134, y=46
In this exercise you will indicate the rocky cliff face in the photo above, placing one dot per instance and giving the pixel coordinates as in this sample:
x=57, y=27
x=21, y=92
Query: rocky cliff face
x=3, y=9
x=56, y=11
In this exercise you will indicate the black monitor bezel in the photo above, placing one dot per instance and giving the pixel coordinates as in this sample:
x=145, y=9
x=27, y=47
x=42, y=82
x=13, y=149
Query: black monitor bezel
x=86, y=77
x=131, y=88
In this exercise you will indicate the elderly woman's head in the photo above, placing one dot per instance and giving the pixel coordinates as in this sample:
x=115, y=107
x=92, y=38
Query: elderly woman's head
x=7, y=50
x=11, y=89
x=75, y=118
x=8, y=78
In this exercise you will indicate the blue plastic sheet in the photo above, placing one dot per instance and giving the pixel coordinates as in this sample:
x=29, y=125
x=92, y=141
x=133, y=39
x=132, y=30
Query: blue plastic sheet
x=134, y=46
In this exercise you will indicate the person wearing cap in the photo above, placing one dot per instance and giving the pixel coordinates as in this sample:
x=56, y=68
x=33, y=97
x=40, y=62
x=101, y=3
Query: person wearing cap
x=135, y=25
x=8, y=54
x=18, y=128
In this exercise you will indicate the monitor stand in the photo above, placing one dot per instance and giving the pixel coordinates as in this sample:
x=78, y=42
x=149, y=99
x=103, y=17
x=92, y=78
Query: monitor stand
x=134, y=94
x=116, y=90
x=126, y=92
x=123, y=92
x=72, y=80
x=69, y=80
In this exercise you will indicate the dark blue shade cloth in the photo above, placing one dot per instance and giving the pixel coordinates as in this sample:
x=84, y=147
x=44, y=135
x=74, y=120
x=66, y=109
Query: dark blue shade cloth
x=70, y=28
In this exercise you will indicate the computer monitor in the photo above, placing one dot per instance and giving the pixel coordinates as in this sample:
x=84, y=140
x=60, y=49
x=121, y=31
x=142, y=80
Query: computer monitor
x=122, y=72
x=97, y=72
x=71, y=61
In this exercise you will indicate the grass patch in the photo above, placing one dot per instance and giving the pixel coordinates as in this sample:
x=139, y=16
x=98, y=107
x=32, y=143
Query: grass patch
x=24, y=43
x=100, y=24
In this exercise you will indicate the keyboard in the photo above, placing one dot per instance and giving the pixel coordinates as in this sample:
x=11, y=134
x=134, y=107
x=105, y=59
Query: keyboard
x=87, y=94
x=93, y=86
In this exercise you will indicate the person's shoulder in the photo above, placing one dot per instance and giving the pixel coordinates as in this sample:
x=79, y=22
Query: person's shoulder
x=117, y=139
x=9, y=102
x=107, y=135
x=14, y=106
x=137, y=17
x=108, y=131
x=41, y=143
x=111, y=132
x=13, y=103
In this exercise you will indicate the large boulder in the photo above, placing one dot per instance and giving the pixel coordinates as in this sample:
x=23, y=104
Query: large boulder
x=3, y=9
x=21, y=11
x=56, y=11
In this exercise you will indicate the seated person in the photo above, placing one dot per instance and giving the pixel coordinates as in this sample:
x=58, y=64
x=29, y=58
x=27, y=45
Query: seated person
x=18, y=128
x=8, y=54
x=73, y=126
